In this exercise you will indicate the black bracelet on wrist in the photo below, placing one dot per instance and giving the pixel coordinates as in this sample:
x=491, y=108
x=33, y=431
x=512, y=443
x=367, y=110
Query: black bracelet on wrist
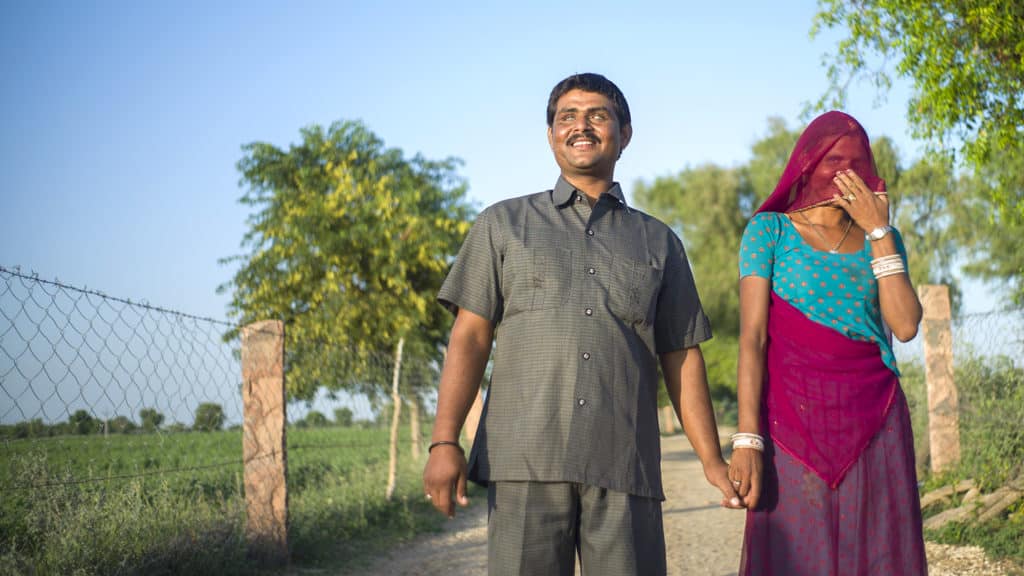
x=445, y=443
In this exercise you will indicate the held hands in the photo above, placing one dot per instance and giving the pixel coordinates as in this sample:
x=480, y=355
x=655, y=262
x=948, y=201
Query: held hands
x=746, y=469
x=718, y=475
x=444, y=478
x=867, y=209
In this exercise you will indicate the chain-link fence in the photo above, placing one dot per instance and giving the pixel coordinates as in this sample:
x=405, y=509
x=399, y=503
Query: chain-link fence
x=109, y=387
x=988, y=370
x=121, y=435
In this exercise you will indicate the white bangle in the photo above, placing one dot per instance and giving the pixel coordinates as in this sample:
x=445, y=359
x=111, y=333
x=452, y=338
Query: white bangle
x=886, y=259
x=748, y=440
x=888, y=266
x=889, y=273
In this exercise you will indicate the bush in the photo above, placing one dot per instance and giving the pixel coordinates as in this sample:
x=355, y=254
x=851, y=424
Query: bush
x=209, y=417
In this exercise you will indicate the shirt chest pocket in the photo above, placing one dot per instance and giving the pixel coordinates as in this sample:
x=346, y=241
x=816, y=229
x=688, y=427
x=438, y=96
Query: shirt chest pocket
x=540, y=278
x=634, y=289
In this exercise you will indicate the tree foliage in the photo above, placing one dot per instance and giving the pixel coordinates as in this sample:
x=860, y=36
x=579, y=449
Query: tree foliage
x=343, y=417
x=81, y=422
x=965, y=60
x=993, y=238
x=209, y=417
x=709, y=206
x=349, y=243
x=151, y=419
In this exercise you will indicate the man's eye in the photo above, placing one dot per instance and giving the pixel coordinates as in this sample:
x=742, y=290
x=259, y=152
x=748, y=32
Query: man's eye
x=568, y=118
x=598, y=117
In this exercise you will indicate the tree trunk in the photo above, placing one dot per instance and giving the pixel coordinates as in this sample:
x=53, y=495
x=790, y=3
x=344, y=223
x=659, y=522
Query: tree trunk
x=414, y=425
x=396, y=401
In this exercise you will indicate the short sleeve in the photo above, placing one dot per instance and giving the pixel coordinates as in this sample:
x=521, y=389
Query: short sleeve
x=901, y=248
x=757, y=248
x=474, y=281
x=680, y=321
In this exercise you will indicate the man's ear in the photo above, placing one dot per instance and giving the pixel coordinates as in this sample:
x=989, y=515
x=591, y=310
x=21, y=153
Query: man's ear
x=625, y=135
x=551, y=138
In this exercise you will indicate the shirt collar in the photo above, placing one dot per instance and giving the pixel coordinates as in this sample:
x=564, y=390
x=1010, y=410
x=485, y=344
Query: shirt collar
x=564, y=192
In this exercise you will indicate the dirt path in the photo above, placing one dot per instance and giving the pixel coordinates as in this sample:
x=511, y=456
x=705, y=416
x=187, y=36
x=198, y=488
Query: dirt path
x=701, y=538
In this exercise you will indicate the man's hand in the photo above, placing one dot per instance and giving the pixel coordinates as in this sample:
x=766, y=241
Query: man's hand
x=717, y=474
x=444, y=479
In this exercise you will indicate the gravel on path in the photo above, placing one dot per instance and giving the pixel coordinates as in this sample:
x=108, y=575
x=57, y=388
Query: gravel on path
x=701, y=537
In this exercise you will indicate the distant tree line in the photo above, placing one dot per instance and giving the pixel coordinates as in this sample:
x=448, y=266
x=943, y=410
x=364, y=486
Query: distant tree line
x=208, y=417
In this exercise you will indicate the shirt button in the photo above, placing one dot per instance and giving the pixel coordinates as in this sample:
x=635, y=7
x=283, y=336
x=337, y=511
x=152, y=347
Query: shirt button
x=582, y=402
x=586, y=355
x=589, y=311
x=590, y=231
x=591, y=271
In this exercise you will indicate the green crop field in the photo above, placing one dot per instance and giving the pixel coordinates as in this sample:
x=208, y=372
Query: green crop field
x=173, y=503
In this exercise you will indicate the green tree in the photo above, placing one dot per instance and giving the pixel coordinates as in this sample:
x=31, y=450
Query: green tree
x=33, y=428
x=349, y=244
x=993, y=238
x=209, y=417
x=769, y=156
x=343, y=417
x=709, y=207
x=316, y=419
x=81, y=422
x=965, y=61
x=151, y=419
x=924, y=203
x=121, y=425
x=703, y=205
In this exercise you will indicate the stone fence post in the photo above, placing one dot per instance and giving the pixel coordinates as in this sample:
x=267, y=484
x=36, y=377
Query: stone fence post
x=263, y=442
x=943, y=402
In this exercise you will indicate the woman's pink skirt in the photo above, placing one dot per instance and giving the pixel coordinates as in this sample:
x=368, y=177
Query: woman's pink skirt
x=869, y=525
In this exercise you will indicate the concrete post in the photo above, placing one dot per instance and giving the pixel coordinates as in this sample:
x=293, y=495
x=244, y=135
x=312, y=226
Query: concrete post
x=263, y=442
x=943, y=403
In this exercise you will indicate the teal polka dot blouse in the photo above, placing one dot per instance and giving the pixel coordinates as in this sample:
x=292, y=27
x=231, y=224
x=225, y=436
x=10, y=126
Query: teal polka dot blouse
x=836, y=290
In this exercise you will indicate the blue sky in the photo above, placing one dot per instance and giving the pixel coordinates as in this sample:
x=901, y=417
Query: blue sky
x=123, y=121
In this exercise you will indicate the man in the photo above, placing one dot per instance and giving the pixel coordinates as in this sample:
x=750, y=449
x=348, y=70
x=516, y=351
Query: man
x=582, y=295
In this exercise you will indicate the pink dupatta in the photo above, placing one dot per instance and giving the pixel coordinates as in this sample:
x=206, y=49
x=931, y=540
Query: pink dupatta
x=794, y=192
x=826, y=395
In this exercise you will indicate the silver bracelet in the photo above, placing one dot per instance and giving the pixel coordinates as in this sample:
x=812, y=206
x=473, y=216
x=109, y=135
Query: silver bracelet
x=748, y=440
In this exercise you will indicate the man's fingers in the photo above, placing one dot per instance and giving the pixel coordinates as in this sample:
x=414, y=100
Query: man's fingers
x=444, y=502
x=460, y=491
x=731, y=497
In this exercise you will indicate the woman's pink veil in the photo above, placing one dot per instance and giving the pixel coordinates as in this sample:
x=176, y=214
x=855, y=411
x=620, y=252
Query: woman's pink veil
x=792, y=193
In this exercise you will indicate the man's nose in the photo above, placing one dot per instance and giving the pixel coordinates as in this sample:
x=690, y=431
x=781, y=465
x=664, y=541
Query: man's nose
x=582, y=122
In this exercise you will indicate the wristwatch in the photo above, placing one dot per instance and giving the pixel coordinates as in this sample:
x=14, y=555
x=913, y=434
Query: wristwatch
x=879, y=233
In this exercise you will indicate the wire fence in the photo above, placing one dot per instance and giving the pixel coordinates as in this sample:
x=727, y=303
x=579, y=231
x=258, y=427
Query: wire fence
x=110, y=389
x=126, y=415
x=142, y=407
x=988, y=369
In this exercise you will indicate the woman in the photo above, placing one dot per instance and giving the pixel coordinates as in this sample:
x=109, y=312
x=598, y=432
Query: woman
x=824, y=457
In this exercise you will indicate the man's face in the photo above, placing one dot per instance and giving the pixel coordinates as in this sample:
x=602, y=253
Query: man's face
x=586, y=136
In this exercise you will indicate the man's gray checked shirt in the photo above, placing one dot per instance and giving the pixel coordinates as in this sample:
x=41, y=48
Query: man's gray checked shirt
x=583, y=300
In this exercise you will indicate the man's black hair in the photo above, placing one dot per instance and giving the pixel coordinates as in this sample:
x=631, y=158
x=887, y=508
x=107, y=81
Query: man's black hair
x=590, y=82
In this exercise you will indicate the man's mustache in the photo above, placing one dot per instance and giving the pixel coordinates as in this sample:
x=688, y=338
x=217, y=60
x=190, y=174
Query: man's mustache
x=583, y=136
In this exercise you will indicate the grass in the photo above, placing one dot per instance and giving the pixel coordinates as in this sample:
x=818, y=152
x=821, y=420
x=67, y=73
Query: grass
x=991, y=402
x=93, y=505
